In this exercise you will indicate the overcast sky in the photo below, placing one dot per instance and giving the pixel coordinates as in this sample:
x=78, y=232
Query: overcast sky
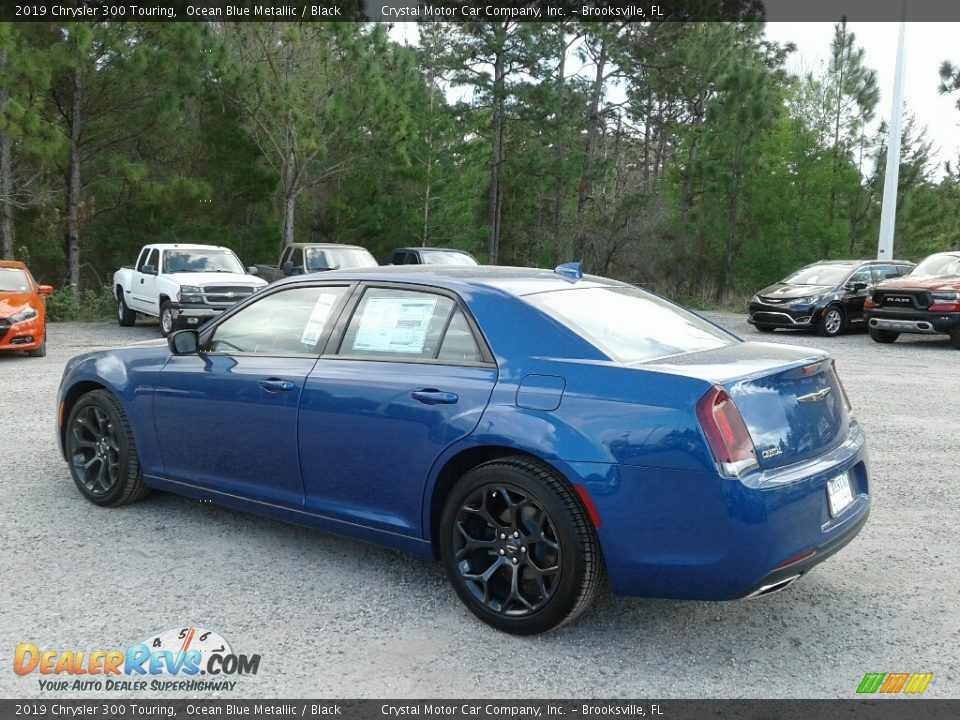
x=927, y=46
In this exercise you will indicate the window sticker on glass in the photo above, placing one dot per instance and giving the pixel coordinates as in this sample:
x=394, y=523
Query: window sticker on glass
x=318, y=318
x=395, y=324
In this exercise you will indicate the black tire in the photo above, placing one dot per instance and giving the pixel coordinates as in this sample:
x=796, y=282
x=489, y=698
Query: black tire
x=832, y=321
x=167, y=323
x=535, y=560
x=101, y=451
x=125, y=316
x=42, y=350
x=883, y=336
x=955, y=338
x=765, y=328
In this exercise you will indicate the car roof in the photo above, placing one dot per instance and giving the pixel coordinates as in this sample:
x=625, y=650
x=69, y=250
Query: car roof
x=13, y=264
x=509, y=280
x=852, y=263
x=187, y=246
x=328, y=246
x=438, y=249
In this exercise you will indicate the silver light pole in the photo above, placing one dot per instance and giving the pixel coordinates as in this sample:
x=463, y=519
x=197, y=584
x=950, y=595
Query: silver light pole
x=888, y=211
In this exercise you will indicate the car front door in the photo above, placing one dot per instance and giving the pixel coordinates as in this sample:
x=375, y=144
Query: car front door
x=855, y=292
x=410, y=376
x=226, y=418
x=143, y=291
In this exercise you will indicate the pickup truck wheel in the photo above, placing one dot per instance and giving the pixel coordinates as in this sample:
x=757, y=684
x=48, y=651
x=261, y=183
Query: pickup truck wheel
x=955, y=338
x=832, y=321
x=883, y=336
x=166, y=319
x=102, y=452
x=125, y=316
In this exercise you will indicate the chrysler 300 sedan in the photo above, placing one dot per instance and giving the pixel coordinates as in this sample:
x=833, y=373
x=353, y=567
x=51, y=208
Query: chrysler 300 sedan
x=530, y=428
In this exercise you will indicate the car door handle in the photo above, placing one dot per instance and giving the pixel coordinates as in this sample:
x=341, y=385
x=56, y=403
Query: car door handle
x=432, y=396
x=276, y=385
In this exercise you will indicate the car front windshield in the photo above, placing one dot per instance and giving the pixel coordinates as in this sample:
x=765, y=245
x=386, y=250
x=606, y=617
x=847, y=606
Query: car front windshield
x=819, y=275
x=630, y=325
x=337, y=258
x=197, y=261
x=441, y=257
x=938, y=265
x=14, y=280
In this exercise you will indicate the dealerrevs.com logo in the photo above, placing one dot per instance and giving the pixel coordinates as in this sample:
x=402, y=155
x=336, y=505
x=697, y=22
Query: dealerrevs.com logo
x=183, y=653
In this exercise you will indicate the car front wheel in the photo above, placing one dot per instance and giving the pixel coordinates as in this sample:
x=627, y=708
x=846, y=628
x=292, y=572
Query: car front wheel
x=518, y=546
x=832, y=321
x=102, y=452
x=167, y=324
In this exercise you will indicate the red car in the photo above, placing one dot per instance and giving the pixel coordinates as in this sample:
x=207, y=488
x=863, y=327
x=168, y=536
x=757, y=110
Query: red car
x=23, y=317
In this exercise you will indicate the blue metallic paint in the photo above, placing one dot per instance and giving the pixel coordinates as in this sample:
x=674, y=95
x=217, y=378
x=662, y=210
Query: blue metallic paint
x=348, y=450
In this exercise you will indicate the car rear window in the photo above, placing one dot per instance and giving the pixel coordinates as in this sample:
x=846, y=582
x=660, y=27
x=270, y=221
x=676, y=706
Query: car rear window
x=630, y=325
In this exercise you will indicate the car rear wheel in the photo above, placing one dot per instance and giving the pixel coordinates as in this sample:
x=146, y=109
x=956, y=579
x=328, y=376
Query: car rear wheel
x=883, y=336
x=125, y=316
x=166, y=319
x=101, y=451
x=831, y=323
x=42, y=350
x=518, y=546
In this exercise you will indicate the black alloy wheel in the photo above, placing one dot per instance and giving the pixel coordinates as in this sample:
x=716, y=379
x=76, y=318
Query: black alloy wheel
x=519, y=547
x=101, y=451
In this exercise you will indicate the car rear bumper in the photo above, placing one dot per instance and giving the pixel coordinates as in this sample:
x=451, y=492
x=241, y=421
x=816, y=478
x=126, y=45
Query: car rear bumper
x=924, y=323
x=697, y=536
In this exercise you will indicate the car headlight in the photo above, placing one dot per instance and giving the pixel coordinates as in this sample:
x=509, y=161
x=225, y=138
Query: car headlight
x=805, y=300
x=191, y=294
x=26, y=314
x=945, y=297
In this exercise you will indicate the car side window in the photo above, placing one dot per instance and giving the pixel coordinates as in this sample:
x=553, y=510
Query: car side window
x=404, y=325
x=142, y=260
x=152, y=259
x=863, y=275
x=885, y=272
x=297, y=258
x=289, y=322
x=459, y=344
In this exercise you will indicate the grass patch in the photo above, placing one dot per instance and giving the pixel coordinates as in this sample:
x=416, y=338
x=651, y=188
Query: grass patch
x=86, y=306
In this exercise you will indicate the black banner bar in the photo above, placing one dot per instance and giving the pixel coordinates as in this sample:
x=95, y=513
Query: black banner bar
x=477, y=10
x=111, y=709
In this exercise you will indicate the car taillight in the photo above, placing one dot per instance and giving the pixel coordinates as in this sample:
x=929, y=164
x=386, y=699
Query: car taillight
x=726, y=433
x=843, y=390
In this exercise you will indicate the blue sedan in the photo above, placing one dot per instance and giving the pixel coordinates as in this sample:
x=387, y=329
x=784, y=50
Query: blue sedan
x=529, y=428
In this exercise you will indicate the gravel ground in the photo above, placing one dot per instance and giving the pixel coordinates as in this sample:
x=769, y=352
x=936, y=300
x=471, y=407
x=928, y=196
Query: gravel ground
x=336, y=618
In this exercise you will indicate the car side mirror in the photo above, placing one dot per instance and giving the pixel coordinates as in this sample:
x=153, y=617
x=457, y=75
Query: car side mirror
x=184, y=342
x=858, y=286
x=288, y=268
x=149, y=270
x=45, y=289
x=252, y=270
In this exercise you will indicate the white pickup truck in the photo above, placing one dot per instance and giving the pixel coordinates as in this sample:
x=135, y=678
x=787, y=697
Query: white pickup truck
x=184, y=285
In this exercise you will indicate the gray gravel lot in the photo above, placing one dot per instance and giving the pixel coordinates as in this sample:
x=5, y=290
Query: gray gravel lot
x=337, y=618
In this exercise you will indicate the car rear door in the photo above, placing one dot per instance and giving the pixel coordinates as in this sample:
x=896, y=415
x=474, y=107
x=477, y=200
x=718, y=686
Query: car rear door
x=854, y=299
x=405, y=376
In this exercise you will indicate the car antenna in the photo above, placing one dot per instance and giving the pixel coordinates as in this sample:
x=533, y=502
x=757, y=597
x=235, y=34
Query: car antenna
x=571, y=270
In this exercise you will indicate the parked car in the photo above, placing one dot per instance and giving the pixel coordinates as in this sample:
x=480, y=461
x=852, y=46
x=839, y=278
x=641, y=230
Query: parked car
x=926, y=301
x=826, y=296
x=527, y=427
x=431, y=256
x=301, y=258
x=184, y=285
x=23, y=315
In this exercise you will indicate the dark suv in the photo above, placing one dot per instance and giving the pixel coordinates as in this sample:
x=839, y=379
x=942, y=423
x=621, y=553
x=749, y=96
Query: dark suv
x=827, y=296
x=431, y=256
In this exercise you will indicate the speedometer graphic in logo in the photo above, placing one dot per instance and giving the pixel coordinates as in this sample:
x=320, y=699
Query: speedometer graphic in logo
x=183, y=640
